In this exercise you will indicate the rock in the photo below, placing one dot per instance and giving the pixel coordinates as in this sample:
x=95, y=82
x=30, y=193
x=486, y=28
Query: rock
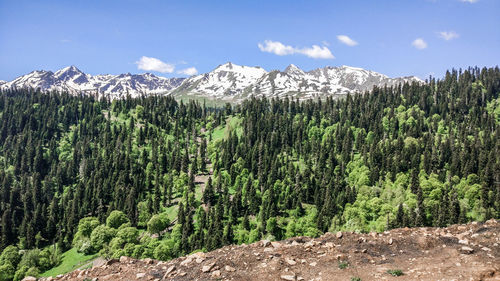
x=491, y=222
x=170, y=269
x=309, y=244
x=200, y=259
x=140, y=275
x=295, y=243
x=265, y=243
x=364, y=251
x=29, y=278
x=390, y=241
x=229, y=268
x=187, y=261
x=486, y=249
x=148, y=261
x=313, y=264
x=340, y=257
x=463, y=242
x=276, y=245
x=361, y=240
x=112, y=261
x=288, y=277
x=98, y=262
x=124, y=259
x=216, y=273
x=290, y=261
x=339, y=235
x=208, y=267
x=466, y=250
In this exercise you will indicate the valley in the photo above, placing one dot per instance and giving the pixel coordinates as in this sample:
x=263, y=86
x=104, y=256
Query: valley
x=155, y=179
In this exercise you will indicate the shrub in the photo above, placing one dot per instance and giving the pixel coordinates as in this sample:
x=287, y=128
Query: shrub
x=395, y=272
x=100, y=236
x=116, y=219
x=355, y=279
x=343, y=264
x=20, y=273
x=164, y=251
x=86, y=225
x=158, y=223
x=30, y=258
x=48, y=258
x=7, y=271
x=33, y=271
x=129, y=234
x=10, y=254
x=85, y=247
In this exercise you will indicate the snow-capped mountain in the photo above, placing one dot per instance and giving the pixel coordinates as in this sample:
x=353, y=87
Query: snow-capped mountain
x=72, y=80
x=228, y=82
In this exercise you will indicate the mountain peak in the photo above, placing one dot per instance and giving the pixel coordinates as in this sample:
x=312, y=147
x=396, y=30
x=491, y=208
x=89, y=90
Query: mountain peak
x=68, y=73
x=70, y=68
x=226, y=66
x=293, y=69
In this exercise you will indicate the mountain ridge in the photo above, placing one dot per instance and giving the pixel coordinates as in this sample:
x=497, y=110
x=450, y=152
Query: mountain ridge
x=227, y=82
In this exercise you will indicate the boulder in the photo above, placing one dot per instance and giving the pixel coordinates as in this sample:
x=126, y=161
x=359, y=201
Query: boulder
x=229, y=268
x=288, y=277
x=466, y=250
x=208, y=267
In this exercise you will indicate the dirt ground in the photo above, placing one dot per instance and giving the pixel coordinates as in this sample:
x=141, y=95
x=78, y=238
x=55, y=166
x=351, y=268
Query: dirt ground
x=458, y=252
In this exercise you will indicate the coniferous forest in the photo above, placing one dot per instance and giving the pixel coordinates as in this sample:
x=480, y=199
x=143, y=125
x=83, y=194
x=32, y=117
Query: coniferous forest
x=154, y=177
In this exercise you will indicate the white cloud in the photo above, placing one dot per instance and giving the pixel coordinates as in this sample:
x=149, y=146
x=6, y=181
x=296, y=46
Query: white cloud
x=317, y=52
x=347, y=40
x=154, y=64
x=188, y=71
x=419, y=43
x=470, y=1
x=276, y=48
x=448, y=35
x=280, y=49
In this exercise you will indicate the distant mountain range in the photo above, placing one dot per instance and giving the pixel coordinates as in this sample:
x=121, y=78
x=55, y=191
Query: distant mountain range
x=228, y=82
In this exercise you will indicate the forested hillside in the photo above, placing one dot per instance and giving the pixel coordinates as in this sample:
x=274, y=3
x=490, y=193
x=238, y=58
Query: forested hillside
x=151, y=177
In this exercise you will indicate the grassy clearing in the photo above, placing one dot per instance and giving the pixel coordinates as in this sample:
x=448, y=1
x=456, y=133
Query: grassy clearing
x=172, y=212
x=233, y=124
x=71, y=260
x=209, y=102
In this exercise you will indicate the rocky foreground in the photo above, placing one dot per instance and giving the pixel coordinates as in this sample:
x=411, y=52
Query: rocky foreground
x=458, y=252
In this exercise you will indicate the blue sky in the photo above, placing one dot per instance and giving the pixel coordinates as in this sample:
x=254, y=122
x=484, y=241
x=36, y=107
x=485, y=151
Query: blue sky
x=400, y=37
